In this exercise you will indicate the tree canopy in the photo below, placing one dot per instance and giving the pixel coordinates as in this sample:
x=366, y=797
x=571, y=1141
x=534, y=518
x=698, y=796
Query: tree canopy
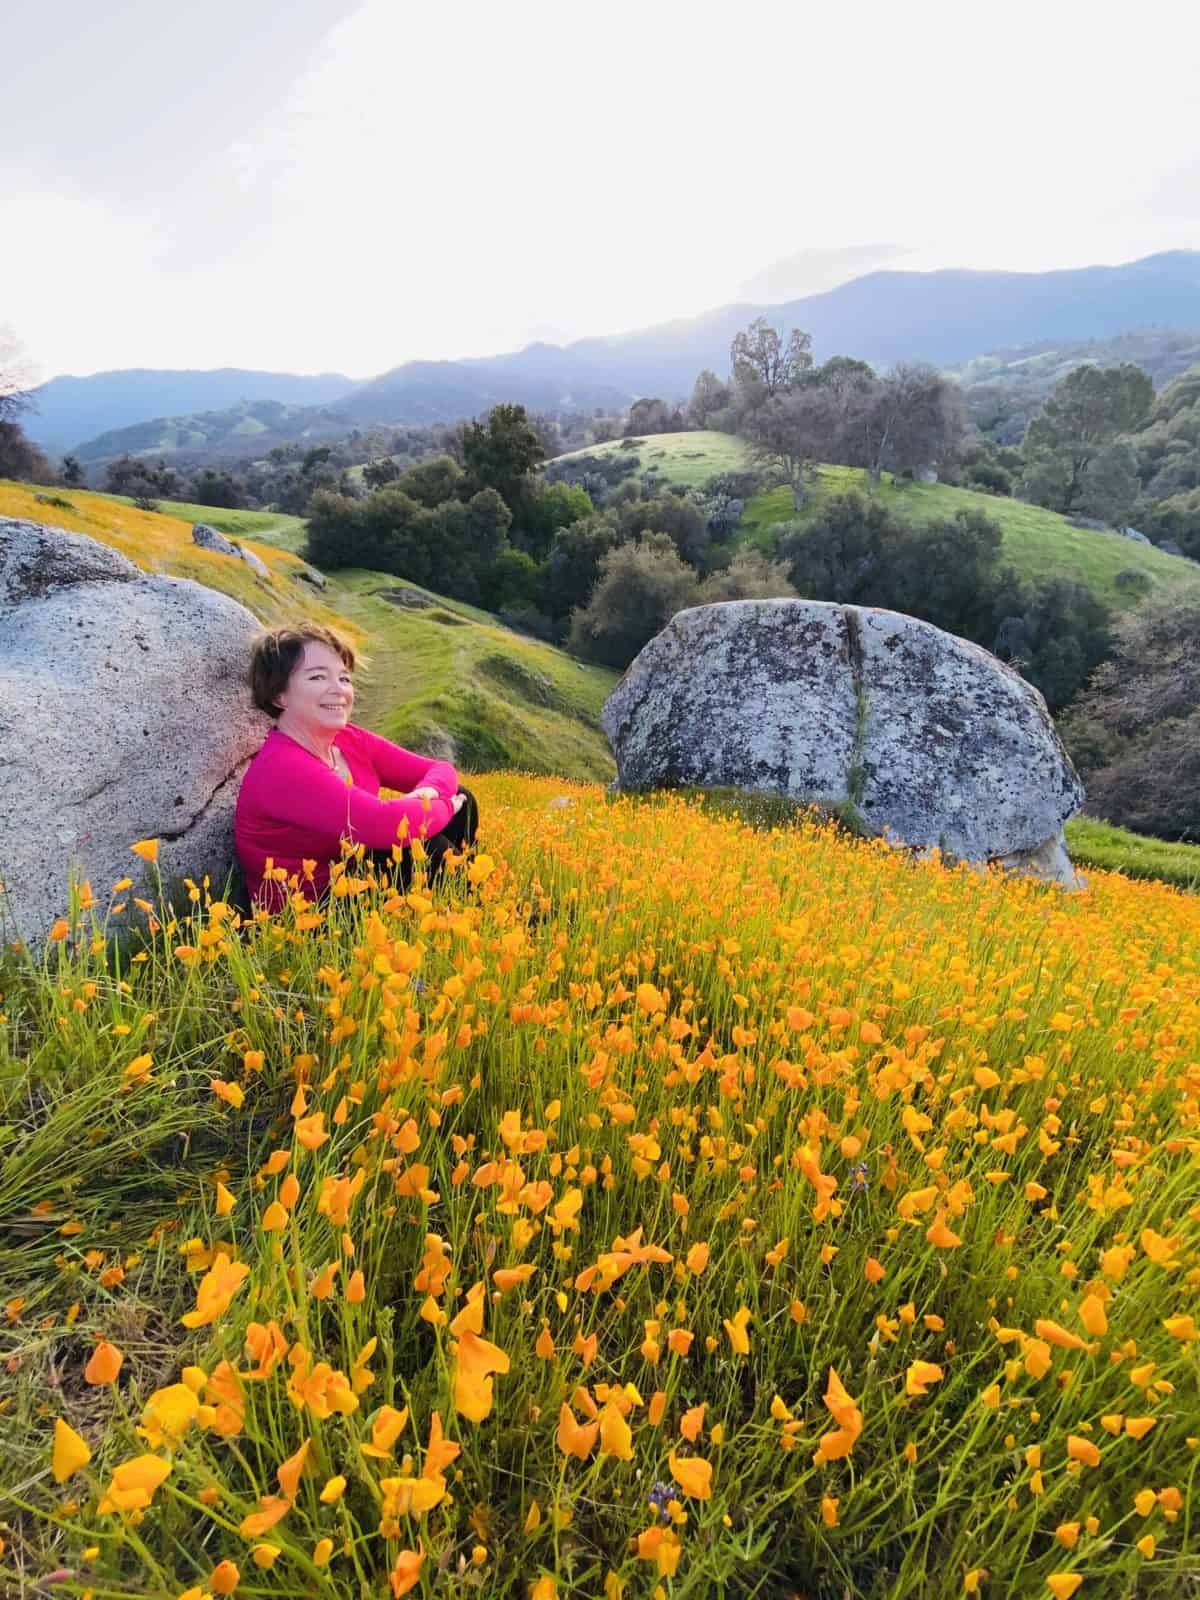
x=1071, y=463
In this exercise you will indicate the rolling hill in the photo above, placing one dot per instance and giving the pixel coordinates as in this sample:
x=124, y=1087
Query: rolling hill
x=1039, y=543
x=1005, y=389
x=247, y=430
x=689, y=459
x=71, y=410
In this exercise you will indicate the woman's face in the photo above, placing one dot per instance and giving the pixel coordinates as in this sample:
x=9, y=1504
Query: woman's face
x=319, y=693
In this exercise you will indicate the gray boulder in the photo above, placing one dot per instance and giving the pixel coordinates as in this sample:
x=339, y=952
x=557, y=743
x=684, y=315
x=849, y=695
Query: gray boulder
x=932, y=740
x=925, y=474
x=124, y=714
x=311, y=576
x=213, y=539
x=255, y=563
x=1170, y=547
x=1132, y=533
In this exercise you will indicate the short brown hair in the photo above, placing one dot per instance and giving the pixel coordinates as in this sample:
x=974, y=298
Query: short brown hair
x=276, y=654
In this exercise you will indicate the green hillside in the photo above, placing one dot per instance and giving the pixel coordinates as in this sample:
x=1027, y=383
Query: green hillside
x=444, y=675
x=689, y=459
x=1005, y=389
x=249, y=428
x=437, y=674
x=1092, y=843
x=1039, y=543
x=263, y=527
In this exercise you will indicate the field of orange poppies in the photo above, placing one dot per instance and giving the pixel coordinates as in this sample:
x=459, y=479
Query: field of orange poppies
x=672, y=1207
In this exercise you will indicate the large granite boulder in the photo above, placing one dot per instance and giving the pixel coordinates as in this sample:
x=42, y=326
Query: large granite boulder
x=932, y=740
x=124, y=714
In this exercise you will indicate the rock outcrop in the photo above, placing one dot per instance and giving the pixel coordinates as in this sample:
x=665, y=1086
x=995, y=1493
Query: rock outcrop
x=124, y=714
x=209, y=538
x=930, y=739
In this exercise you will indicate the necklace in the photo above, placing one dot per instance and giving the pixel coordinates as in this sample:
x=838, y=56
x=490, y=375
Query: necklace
x=330, y=760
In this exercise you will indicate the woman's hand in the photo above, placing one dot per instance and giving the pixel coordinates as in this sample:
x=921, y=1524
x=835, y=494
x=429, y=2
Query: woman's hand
x=425, y=792
x=458, y=802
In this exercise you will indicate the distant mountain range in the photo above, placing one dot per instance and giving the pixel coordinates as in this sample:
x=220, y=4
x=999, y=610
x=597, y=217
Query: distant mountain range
x=945, y=317
x=70, y=410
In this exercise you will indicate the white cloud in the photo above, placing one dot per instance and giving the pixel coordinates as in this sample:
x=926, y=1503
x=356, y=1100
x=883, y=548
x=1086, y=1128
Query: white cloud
x=446, y=181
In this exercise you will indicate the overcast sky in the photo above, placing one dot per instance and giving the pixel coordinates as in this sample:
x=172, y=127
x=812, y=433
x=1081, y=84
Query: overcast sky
x=342, y=185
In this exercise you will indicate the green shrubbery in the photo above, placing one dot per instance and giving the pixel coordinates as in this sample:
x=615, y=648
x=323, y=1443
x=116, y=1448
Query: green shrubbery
x=1135, y=733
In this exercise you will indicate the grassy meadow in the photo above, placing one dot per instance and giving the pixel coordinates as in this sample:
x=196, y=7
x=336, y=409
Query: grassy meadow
x=666, y=1207
x=162, y=543
x=689, y=459
x=1092, y=843
x=1040, y=544
x=450, y=676
x=685, y=1200
x=274, y=528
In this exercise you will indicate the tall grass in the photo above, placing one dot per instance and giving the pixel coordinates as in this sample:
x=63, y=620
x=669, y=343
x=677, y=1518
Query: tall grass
x=669, y=1207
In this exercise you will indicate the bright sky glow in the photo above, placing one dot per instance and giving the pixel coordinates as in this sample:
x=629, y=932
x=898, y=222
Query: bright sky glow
x=327, y=185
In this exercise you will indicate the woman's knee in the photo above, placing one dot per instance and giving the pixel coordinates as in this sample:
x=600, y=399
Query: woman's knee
x=468, y=812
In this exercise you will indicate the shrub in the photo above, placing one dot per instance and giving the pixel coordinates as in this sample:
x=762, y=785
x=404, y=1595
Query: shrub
x=513, y=581
x=543, y=509
x=986, y=475
x=1132, y=580
x=682, y=520
x=750, y=575
x=1137, y=726
x=573, y=565
x=641, y=587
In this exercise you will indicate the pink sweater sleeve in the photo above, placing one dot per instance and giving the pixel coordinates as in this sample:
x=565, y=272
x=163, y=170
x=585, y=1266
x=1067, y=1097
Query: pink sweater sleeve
x=318, y=799
x=401, y=769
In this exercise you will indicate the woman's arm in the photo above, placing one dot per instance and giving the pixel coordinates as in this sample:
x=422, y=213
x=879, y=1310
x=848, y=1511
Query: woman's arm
x=319, y=800
x=401, y=769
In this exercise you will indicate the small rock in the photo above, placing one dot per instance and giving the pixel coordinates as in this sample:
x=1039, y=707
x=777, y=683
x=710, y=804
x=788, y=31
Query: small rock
x=209, y=538
x=255, y=564
x=213, y=539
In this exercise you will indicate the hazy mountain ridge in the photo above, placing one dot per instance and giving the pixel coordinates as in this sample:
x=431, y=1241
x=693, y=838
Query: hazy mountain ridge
x=249, y=429
x=70, y=410
x=944, y=317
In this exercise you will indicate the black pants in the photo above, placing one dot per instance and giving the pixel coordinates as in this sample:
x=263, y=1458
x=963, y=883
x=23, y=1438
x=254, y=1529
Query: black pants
x=458, y=835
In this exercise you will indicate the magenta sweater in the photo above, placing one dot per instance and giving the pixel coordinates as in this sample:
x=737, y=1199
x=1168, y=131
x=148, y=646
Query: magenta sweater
x=291, y=807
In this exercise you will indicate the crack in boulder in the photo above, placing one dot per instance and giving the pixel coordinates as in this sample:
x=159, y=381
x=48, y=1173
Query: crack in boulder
x=906, y=731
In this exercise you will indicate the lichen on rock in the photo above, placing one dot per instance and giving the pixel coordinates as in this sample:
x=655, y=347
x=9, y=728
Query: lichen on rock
x=926, y=738
x=124, y=714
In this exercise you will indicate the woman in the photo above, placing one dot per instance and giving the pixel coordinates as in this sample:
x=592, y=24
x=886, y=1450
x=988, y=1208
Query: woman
x=316, y=780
